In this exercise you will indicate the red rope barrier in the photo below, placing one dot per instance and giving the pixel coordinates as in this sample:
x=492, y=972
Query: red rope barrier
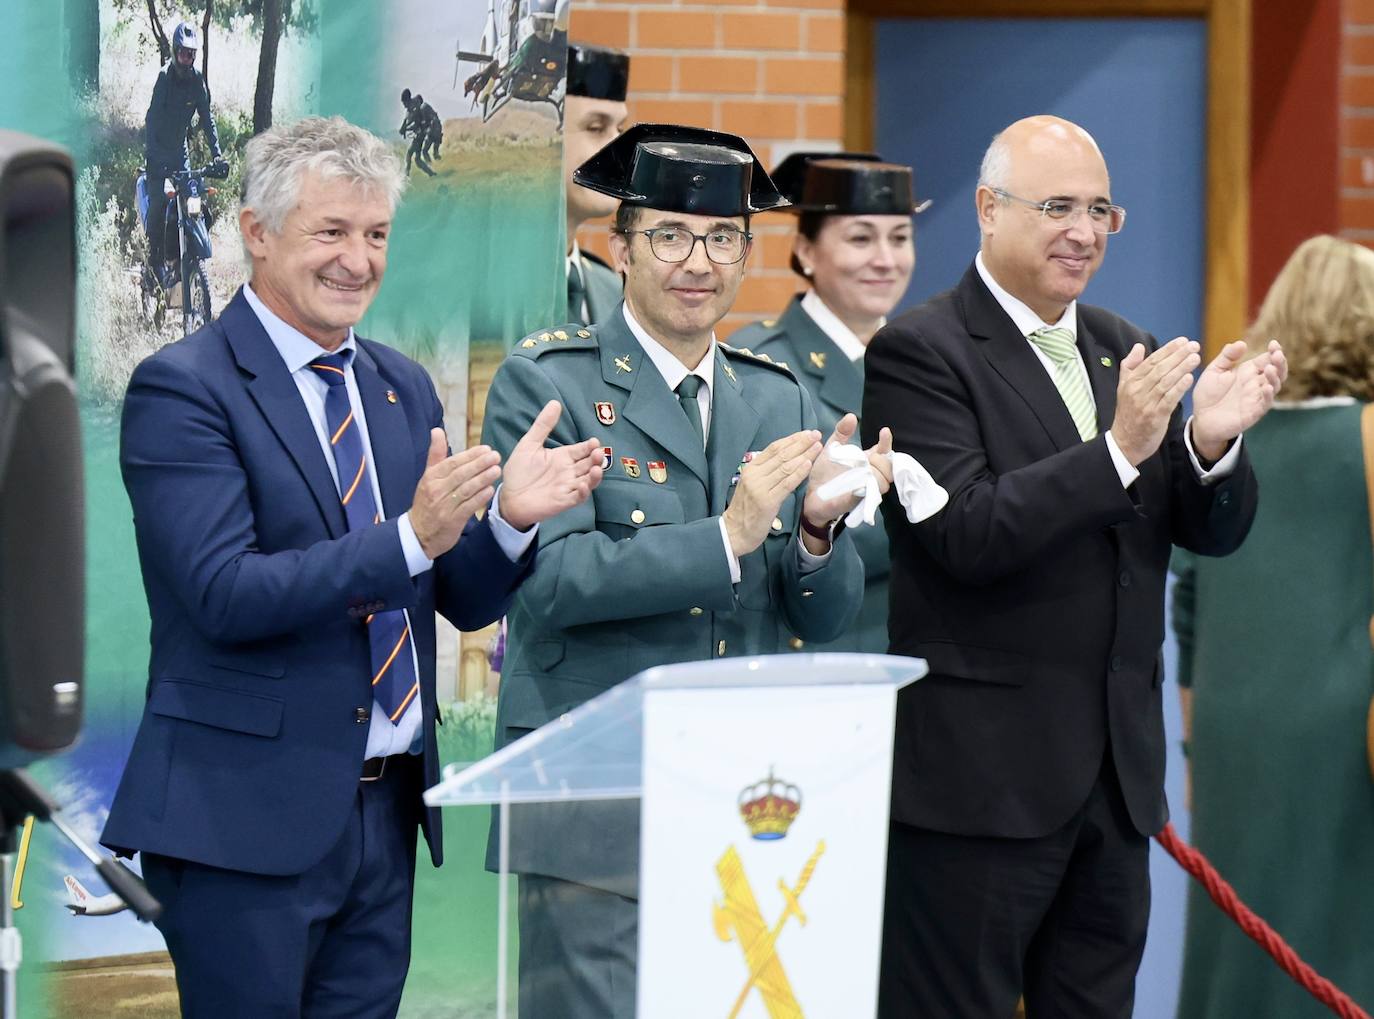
x=1225, y=896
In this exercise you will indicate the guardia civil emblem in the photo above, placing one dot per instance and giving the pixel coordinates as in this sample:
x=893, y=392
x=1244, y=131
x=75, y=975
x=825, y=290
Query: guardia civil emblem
x=768, y=808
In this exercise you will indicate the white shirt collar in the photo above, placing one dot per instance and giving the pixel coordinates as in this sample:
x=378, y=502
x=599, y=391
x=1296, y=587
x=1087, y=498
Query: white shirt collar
x=295, y=348
x=1026, y=320
x=829, y=323
x=672, y=370
x=575, y=256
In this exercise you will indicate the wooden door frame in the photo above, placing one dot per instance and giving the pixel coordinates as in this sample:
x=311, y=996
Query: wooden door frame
x=1227, y=194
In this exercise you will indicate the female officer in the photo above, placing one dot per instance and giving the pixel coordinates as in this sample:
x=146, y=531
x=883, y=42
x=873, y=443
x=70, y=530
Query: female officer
x=854, y=247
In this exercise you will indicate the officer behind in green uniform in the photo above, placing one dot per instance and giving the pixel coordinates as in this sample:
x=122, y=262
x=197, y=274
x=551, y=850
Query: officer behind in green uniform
x=854, y=246
x=593, y=114
x=705, y=539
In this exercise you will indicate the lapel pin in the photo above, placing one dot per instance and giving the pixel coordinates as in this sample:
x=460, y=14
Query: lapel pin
x=729, y=372
x=1106, y=362
x=605, y=412
x=658, y=471
x=391, y=396
x=818, y=359
x=606, y=461
x=631, y=466
x=622, y=364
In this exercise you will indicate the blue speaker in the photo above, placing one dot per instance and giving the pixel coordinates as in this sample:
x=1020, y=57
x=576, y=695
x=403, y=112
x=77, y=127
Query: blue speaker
x=42, y=533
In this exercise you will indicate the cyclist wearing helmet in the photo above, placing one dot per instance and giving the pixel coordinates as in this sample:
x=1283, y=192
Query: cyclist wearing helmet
x=180, y=94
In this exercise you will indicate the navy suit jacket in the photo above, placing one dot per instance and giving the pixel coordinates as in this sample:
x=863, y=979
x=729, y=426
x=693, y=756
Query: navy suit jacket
x=253, y=735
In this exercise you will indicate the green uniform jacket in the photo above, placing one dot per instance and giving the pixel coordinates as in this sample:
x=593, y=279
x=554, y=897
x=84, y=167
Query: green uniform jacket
x=637, y=576
x=603, y=286
x=836, y=385
x=1274, y=641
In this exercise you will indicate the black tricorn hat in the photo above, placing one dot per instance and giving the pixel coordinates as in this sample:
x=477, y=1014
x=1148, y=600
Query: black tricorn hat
x=842, y=185
x=597, y=73
x=682, y=169
x=790, y=174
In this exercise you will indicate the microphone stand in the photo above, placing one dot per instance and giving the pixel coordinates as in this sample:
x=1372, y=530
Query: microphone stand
x=21, y=796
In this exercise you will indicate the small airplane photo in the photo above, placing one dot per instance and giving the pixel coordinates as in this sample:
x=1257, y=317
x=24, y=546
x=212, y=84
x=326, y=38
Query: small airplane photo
x=85, y=904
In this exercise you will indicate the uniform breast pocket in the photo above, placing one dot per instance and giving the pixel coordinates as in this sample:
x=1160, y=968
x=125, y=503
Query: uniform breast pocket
x=623, y=508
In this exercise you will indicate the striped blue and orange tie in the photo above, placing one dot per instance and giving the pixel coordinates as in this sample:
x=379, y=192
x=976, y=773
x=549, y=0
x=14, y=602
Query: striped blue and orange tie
x=394, y=684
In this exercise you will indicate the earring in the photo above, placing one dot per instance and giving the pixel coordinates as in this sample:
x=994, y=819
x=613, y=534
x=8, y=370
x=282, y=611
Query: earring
x=806, y=270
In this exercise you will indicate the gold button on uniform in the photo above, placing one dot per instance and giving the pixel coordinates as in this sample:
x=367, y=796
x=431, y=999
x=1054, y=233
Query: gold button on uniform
x=796, y=643
x=777, y=523
x=720, y=650
x=696, y=610
x=637, y=516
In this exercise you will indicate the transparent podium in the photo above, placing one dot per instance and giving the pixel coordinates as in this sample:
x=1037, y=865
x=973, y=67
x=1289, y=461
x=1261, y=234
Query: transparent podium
x=742, y=803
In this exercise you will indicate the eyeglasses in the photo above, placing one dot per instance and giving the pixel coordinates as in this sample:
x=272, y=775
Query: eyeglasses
x=725, y=246
x=1105, y=219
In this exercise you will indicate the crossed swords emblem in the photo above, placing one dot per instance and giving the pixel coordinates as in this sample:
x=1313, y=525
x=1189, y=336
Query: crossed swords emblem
x=740, y=918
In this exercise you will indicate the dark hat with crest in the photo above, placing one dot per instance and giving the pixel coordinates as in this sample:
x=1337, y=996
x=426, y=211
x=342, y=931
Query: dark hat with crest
x=682, y=169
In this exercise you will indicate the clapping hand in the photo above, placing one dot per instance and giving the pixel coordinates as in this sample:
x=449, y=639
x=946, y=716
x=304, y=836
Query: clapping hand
x=542, y=481
x=820, y=512
x=1234, y=393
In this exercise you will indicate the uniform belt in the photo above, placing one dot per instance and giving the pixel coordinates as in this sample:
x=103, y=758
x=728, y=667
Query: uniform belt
x=375, y=767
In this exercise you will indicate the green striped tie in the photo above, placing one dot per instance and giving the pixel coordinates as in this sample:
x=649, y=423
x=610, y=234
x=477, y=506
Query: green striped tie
x=1057, y=344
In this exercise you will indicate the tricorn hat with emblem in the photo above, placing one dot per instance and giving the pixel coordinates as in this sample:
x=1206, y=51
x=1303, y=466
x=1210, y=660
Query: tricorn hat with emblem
x=682, y=169
x=847, y=184
x=597, y=73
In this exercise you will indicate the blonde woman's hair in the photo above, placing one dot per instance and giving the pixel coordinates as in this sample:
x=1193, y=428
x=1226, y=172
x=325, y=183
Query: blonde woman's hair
x=1321, y=309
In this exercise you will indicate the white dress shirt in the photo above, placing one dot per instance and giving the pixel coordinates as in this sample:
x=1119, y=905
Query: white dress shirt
x=1028, y=322
x=673, y=372
x=298, y=350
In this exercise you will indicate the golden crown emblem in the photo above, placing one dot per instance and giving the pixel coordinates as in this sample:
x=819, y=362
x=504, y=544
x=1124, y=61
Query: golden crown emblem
x=769, y=807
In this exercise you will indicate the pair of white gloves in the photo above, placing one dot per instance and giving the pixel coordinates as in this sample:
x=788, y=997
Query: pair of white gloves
x=920, y=495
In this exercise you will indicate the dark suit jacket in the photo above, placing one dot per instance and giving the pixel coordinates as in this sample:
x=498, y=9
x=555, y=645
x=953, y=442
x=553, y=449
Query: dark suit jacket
x=1036, y=595
x=251, y=742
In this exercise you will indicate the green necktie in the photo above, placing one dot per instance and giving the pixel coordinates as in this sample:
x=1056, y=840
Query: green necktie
x=687, y=391
x=577, y=294
x=1057, y=344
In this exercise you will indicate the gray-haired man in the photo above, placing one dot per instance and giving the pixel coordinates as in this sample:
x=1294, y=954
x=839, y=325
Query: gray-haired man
x=299, y=522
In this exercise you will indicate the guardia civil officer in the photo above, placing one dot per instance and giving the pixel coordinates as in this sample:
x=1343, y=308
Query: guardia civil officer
x=707, y=538
x=855, y=246
x=593, y=114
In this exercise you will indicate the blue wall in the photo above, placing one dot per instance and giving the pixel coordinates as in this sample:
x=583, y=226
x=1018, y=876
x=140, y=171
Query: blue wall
x=945, y=87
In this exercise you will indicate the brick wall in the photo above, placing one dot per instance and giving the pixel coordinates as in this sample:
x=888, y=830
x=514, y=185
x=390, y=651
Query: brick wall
x=1357, y=121
x=769, y=70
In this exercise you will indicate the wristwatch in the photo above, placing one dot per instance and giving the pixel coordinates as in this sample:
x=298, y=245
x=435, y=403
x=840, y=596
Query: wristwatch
x=828, y=533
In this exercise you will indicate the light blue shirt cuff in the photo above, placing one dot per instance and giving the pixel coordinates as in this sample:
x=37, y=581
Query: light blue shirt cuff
x=1223, y=468
x=514, y=543
x=416, y=560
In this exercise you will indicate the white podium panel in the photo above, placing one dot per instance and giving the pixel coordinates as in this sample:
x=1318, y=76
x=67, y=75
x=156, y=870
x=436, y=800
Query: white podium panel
x=762, y=825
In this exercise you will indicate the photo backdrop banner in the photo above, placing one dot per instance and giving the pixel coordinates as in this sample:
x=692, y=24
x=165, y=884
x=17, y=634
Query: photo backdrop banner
x=476, y=262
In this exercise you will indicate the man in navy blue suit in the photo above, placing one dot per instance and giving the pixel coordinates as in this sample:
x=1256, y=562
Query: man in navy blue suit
x=299, y=522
